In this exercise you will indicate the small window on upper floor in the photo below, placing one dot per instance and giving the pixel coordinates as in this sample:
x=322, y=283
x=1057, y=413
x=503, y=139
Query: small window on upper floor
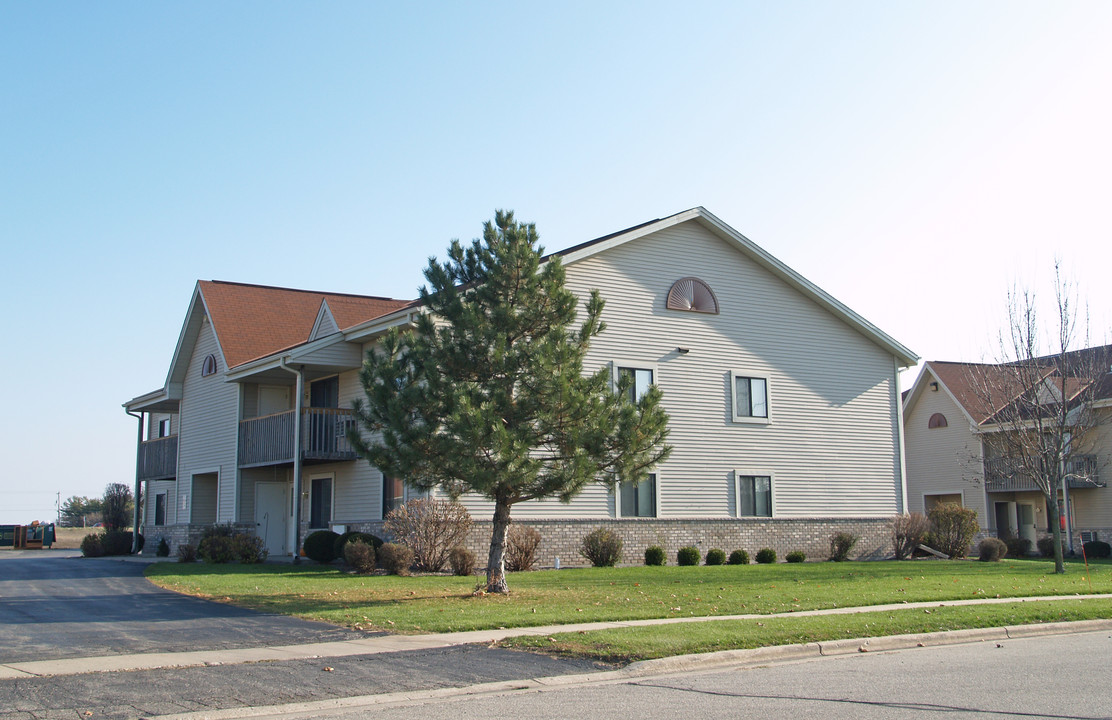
x=640, y=379
x=938, y=420
x=693, y=295
x=208, y=367
x=750, y=396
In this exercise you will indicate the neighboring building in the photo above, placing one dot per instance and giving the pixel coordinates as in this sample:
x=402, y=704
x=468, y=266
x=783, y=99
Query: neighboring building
x=949, y=426
x=784, y=406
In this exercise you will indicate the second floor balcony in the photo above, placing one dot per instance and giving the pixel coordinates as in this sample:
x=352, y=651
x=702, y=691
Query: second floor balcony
x=158, y=458
x=269, y=440
x=1005, y=474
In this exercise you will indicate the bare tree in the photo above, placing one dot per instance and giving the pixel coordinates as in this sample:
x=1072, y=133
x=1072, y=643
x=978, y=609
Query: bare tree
x=1037, y=399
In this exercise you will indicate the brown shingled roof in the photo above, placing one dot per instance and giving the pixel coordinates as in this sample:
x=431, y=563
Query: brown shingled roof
x=962, y=379
x=252, y=321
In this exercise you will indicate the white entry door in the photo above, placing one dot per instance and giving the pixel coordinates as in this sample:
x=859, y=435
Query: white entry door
x=270, y=516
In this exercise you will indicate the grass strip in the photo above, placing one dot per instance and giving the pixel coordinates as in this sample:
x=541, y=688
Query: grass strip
x=625, y=645
x=443, y=603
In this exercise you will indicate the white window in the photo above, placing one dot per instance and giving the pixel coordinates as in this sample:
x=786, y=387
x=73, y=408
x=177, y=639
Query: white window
x=641, y=377
x=754, y=495
x=638, y=500
x=750, y=395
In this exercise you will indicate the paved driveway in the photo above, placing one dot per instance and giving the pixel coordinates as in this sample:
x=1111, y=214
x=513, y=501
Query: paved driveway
x=56, y=605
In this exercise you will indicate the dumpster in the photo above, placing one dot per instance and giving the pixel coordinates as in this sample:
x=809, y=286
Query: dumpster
x=35, y=536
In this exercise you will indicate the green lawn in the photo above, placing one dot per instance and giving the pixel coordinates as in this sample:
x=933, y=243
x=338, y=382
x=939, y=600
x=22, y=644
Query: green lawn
x=446, y=603
x=643, y=643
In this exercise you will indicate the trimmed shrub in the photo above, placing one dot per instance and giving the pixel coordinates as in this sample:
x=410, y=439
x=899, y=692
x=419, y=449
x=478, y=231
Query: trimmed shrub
x=991, y=549
x=953, y=528
x=118, y=542
x=522, y=542
x=909, y=532
x=795, y=556
x=738, y=557
x=396, y=559
x=461, y=560
x=1097, y=549
x=1046, y=547
x=163, y=548
x=91, y=545
x=187, y=553
x=602, y=547
x=841, y=543
x=766, y=556
x=687, y=555
x=360, y=556
x=716, y=557
x=430, y=528
x=216, y=549
x=654, y=555
x=249, y=549
x=1018, y=547
x=366, y=538
x=321, y=546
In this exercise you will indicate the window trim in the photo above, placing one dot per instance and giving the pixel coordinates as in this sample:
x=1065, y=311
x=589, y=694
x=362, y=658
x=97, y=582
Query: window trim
x=618, y=365
x=399, y=499
x=331, y=477
x=165, y=508
x=656, y=500
x=209, y=366
x=755, y=473
x=750, y=419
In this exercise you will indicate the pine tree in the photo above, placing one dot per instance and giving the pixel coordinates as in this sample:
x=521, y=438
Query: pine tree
x=488, y=393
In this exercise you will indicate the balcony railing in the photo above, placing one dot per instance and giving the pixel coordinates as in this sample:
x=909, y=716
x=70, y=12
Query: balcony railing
x=158, y=459
x=1006, y=474
x=268, y=440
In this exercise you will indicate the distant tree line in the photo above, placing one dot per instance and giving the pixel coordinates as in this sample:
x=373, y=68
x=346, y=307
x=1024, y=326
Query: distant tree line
x=114, y=509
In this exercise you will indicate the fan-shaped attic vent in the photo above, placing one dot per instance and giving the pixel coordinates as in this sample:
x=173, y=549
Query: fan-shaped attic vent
x=208, y=367
x=938, y=420
x=692, y=294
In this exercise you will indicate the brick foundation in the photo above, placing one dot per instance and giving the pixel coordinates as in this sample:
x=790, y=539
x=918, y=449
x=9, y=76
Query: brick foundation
x=562, y=538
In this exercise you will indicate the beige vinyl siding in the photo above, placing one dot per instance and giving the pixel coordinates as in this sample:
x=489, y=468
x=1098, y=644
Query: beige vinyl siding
x=357, y=490
x=831, y=443
x=209, y=422
x=151, y=430
x=1093, y=508
x=942, y=461
x=248, y=478
x=153, y=488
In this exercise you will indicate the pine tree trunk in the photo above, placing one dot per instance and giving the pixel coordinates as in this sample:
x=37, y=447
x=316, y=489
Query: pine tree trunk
x=496, y=560
x=1056, y=532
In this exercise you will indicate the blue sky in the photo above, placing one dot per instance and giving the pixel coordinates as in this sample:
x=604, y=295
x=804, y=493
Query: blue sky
x=913, y=159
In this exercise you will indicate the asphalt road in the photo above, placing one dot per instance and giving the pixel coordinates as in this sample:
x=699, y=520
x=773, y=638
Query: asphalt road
x=54, y=605
x=1061, y=676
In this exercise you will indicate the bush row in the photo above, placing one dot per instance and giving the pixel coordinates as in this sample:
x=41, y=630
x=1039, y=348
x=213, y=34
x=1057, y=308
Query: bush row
x=112, y=542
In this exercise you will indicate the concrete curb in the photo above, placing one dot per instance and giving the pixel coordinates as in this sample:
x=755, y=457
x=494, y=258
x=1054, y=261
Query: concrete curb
x=704, y=662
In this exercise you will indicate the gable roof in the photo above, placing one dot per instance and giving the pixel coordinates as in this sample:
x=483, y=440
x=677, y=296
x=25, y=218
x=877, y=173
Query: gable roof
x=982, y=390
x=253, y=321
x=755, y=253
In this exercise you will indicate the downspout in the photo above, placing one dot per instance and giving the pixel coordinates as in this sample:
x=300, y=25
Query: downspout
x=296, y=457
x=138, y=483
x=900, y=437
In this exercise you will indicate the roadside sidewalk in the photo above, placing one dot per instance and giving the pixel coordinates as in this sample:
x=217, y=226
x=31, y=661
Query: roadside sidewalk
x=401, y=643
